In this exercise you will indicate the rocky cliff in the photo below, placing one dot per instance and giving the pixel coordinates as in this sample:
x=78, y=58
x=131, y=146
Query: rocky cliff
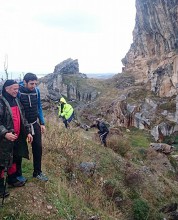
x=153, y=55
x=147, y=87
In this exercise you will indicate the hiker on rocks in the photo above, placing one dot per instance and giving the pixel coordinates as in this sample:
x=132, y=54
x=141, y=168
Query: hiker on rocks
x=66, y=112
x=29, y=96
x=103, y=130
x=14, y=130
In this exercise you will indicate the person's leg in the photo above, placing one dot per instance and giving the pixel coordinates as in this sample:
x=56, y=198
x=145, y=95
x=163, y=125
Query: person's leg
x=71, y=117
x=37, y=154
x=37, y=150
x=13, y=173
x=12, y=177
x=103, y=138
x=18, y=161
x=19, y=166
x=69, y=120
x=65, y=122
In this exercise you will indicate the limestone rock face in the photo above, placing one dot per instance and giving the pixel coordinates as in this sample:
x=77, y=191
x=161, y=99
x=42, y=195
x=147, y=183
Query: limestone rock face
x=66, y=80
x=153, y=55
x=68, y=66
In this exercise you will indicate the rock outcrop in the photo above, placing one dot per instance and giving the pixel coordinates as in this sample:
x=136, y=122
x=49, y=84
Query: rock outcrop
x=153, y=55
x=138, y=107
x=66, y=80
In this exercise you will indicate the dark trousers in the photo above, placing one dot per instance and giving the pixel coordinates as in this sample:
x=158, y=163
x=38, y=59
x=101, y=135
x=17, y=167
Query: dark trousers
x=36, y=151
x=66, y=121
x=17, y=160
x=103, y=137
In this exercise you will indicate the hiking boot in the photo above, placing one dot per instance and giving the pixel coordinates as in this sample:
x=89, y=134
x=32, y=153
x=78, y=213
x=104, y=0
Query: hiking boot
x=6, y=194
x=41, y=177
x=22, y=179
x=16, y=184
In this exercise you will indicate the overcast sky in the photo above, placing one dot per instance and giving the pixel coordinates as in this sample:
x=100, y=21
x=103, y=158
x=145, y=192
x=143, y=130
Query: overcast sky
x=36, y=35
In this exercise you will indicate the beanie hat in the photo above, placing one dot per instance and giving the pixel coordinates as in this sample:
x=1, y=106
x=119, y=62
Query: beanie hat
x=9, y=82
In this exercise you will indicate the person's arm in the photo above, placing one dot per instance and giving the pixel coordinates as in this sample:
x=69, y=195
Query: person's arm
x=93, y=126
x=63, y=112
x=3, y=130
x=4, y=133
x=59, y=110
x=40, y=111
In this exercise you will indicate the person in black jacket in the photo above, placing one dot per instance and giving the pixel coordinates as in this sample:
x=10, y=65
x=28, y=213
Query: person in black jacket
x=29, y=96
x=103, y=130
x=14, y=129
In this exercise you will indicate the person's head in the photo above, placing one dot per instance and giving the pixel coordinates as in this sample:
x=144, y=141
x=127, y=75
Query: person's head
x=98, y=119
x=62, y=100
x=30, y=81
x=11, y=87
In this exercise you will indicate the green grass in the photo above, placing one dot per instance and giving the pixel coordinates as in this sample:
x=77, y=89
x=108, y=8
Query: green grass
x=139, y=138
x=27, y=168
x=140, y=209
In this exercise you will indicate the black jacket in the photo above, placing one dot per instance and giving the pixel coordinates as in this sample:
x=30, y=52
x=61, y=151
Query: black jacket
x=101, y=127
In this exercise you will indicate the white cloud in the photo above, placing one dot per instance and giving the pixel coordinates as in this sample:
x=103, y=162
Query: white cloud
x=37, y=35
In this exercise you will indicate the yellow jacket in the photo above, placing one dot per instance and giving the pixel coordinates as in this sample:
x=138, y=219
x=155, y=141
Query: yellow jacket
x=66, y=110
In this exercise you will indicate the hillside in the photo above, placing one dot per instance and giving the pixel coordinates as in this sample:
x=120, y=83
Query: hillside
x=127, y=180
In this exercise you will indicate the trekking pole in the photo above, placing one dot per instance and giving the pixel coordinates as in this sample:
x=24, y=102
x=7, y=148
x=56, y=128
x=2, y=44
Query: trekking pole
x=7, y=163
x=5, y=184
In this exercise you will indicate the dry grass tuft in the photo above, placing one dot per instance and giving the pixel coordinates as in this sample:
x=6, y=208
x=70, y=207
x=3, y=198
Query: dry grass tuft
x=133, y=176
x=119, y=145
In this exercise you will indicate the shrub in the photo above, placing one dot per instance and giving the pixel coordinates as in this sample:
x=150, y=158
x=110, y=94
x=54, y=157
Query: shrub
x=119, y=145
x=133, y=177
x=140, y=209
x=111, y=189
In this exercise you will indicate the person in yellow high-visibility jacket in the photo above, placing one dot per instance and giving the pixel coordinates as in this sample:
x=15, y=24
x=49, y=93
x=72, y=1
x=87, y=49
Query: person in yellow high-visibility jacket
x=66, y=112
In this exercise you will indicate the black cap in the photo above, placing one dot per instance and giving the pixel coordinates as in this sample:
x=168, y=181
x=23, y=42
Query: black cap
x=9, y=82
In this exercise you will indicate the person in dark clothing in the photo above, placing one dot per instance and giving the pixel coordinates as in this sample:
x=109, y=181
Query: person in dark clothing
x=29, y=96
x=14, y=129
x=103, y=130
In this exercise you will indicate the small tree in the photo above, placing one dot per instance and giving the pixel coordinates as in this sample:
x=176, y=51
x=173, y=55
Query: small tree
x=6, y=66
